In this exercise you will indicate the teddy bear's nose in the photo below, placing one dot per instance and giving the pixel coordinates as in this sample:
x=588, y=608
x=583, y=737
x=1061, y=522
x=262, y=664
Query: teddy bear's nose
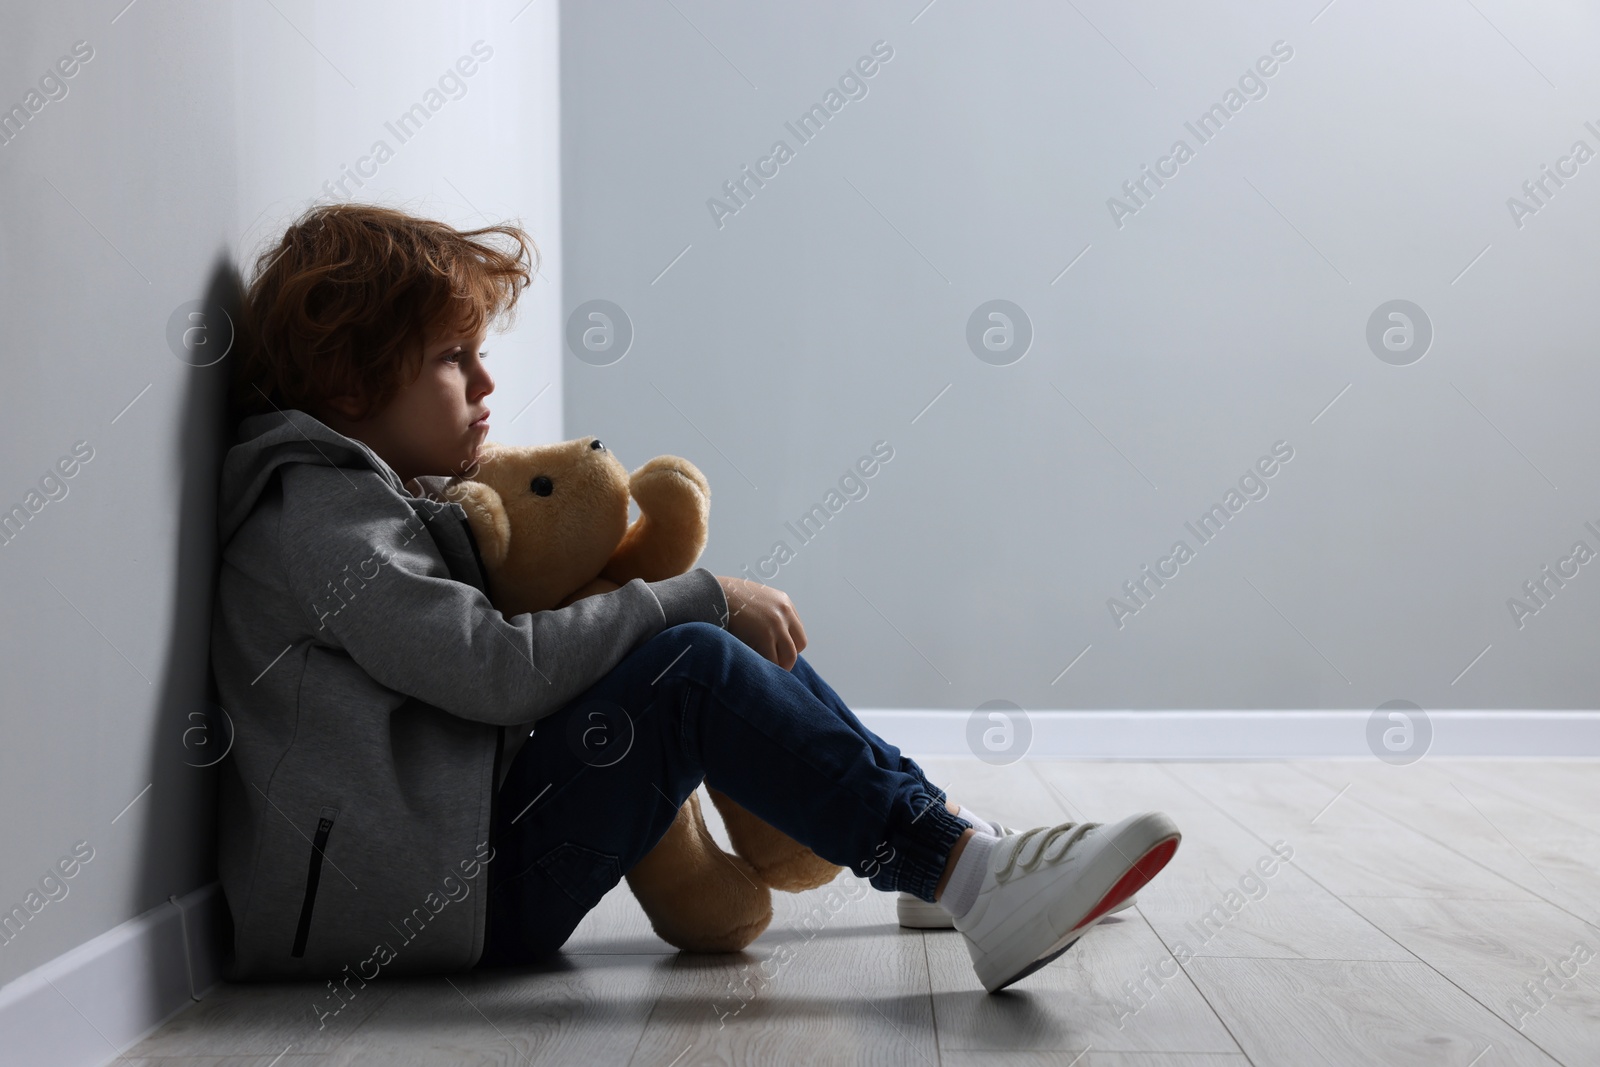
x=595, y=444
x=541, y=486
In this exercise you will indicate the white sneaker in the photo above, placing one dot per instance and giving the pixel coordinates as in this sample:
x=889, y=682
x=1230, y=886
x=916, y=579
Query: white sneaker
x=1047, y=886
x=914, y=913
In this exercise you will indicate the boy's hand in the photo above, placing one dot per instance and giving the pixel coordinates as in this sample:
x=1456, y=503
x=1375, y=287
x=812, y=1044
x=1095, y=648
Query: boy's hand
x=764, y=618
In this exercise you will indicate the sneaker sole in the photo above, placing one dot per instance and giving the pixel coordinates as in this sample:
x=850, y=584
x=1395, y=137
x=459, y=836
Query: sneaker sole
x=1036, y=964
x=1146, y=867
x=914, y=913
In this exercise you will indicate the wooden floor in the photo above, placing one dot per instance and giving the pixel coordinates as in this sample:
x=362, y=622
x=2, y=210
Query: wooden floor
x=1441, y=913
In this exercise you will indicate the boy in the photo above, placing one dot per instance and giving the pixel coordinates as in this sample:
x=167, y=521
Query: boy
x=372, y=686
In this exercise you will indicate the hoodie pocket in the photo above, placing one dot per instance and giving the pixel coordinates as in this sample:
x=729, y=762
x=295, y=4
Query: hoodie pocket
x=313, y=876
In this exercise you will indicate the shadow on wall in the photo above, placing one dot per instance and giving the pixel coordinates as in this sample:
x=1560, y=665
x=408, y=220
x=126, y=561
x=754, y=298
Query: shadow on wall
x=190, y=739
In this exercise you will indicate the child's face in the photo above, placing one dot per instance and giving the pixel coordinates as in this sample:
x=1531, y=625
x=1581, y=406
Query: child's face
x=437, y=423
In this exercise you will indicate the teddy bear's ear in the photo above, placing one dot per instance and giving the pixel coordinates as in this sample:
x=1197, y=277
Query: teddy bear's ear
x=487, y=514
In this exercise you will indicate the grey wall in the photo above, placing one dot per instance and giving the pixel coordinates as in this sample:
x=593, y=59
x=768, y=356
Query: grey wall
x=190, y=138
x=1225, y=313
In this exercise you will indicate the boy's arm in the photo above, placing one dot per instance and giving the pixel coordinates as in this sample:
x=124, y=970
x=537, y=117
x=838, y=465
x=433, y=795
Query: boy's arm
x=374, y=584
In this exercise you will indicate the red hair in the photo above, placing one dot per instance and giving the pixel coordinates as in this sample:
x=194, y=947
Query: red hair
x=347, y=300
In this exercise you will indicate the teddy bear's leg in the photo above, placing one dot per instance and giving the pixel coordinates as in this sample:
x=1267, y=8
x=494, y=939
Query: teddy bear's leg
x=779, y=860
x=697, y=897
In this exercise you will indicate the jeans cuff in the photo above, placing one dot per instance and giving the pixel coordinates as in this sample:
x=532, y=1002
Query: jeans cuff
x=922, y=843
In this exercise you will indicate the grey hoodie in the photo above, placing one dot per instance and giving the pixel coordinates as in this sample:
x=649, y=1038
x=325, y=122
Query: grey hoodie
x=370, y=683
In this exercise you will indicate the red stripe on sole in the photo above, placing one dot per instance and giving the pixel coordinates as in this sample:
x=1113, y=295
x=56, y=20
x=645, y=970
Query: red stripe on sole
x=1148, y=867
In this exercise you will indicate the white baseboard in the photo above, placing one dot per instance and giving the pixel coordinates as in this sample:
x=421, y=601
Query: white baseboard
x=1224, y=735
x=89, y=1005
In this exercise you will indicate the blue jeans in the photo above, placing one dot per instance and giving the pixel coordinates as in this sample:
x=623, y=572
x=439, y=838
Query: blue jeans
x=600, y=781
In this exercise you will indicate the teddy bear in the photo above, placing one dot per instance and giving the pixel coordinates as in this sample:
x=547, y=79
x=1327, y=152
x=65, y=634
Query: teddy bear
x=551, y=523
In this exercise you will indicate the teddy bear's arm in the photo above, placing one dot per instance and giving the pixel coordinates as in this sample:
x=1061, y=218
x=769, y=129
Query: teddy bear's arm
x=667, y=538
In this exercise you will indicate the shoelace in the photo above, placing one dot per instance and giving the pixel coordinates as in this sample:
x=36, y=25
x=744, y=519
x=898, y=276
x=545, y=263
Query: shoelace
x=1046, y=844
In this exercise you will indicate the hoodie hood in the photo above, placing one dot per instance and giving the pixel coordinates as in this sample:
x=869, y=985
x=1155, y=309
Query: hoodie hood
x=267, y=442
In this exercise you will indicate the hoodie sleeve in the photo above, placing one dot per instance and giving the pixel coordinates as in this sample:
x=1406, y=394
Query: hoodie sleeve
x=373, y=583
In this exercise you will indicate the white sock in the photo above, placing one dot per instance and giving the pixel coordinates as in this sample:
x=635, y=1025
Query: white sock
x=976, y=821
x=961, y=891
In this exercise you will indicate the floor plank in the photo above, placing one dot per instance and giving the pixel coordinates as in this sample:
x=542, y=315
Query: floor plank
x=1418, y=903
x=1300, y=1012
x=223, y=1061
x=1349, y=849
x=1225, y=893
x=1110, y=991
x=1093, y=1058
x=1492, y=950
x=833, y=980
x=263, y=1019
x=1568, y=790
x=1544, y=856
x=581, y=1008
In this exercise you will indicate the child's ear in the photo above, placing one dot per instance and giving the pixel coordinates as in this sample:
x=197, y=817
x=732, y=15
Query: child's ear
x=346, y=405
x=487, y=515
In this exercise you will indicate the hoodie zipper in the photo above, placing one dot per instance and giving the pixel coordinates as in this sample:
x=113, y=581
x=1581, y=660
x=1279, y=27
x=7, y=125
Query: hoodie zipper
x=313, y=876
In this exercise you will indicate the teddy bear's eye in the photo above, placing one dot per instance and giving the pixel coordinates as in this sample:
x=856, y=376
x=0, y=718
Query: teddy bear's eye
x=595, y=444
x=541, y=486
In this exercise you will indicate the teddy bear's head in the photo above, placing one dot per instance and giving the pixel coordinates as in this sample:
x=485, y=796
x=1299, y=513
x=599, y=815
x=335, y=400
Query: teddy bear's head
x=547, y=518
